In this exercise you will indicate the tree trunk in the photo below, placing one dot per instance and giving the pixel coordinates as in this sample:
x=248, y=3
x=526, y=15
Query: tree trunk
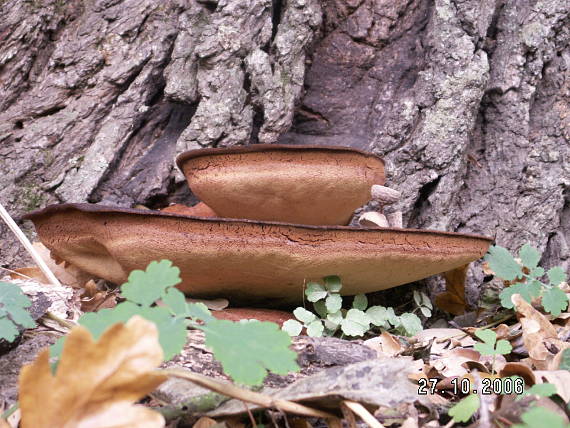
x=468, y=101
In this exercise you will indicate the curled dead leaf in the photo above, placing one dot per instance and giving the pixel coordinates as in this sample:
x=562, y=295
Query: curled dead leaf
x=96, y=383
x=453, y=299
x=537, y=333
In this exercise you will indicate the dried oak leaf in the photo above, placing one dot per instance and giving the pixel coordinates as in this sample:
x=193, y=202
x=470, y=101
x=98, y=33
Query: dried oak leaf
x=539, y=335
x=96, y=383
x=453, y=299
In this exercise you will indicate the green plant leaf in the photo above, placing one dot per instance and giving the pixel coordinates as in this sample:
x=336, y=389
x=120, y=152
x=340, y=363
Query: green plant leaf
x=175, y=300
x=529, y=256
x=417, y=298
x=465, y=409
x=411, y=323
x=527, y=292
x=293, y=327
x=392, y=317
x=565, y=361
x=8, y=330
x=333, y=303
x=540, y=389
x=426, y=301
x=333, y=283
x=359, y=317
x=321, y=308
x=171, y=330
x=556, y=275
x=146, y=287
x=315, y=329
x=13, y=302
x=199, y=311
x=335, y=317
x=540, y=417
x=360, y=302
x=425, y=311
x=315, y=292
x=487, y=336
x=536, y=272
x=378, y=315
x=503, y=347
x=554, y=300
x=351, y=328
x=247, y=351
x=502, y=263
x=304, y=315
x=490, y=346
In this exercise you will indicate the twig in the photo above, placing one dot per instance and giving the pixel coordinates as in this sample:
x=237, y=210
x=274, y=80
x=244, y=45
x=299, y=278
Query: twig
x=484, y=407
x=251, y=418
x=364, y=414
x=60, y=321
x=28, y=246
x=246, y=395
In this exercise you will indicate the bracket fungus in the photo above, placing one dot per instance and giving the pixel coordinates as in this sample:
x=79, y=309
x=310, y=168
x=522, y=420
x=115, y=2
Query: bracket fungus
x=245, y=260
x=316, y=185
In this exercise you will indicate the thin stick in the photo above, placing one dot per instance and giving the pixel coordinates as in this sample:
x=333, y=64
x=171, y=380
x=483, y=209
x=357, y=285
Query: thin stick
x=246, y=395
x=364, y=414
x=28, y=246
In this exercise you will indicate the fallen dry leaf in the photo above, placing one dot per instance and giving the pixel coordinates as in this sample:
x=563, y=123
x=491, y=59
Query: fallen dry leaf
x=93, y=299
x=453, y=299
x=29, y=272
x=444, y=339
x=519, y=369
x=385, y=345
x=559, y=378
x=452, y=362
x=96, y=383
x=537, y=332
x=204, y=422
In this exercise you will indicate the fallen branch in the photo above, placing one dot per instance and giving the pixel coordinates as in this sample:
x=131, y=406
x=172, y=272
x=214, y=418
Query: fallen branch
x=247, y=395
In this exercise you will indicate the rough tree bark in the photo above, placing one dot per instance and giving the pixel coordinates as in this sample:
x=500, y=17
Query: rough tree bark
x=468, y=100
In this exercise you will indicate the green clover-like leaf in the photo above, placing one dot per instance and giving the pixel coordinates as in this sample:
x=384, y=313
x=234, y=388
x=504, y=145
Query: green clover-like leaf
x=333, y=303
x=502, y=263
x=146, y=287
x=315, y=292
x=248, y=350
x=360, y=302
x=292, y=327
x=333, y=283
x=529, y=256
x=315, y=329
x=556, y=275
x=554, y=300
x=304, y=315
x=465, y=409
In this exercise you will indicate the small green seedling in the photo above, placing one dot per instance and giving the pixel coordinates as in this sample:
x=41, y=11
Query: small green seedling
x=526, y=276
x=465, y=409
x=246, y=350
x=491, y=346
x=540, y=390
x=423, y=303
x=13, y=304
x=356, y=321
x=540, y=417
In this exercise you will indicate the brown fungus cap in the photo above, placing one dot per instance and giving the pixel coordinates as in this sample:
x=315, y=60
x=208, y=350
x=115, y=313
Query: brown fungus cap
x=245, y=260
x=317, y=185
